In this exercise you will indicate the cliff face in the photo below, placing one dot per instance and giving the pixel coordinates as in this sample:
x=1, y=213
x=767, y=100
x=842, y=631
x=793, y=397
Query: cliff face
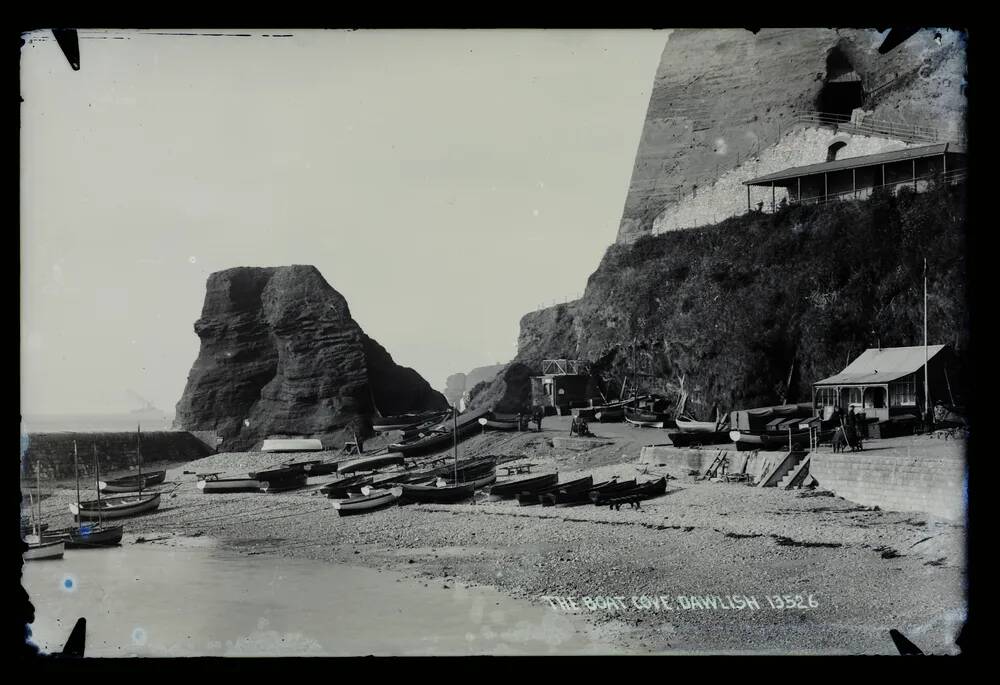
x=280, y=354
x=722, y=95
x=752, y=311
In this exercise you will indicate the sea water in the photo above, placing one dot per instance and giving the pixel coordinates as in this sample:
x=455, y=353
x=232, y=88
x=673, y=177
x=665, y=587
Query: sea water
x=155, y=600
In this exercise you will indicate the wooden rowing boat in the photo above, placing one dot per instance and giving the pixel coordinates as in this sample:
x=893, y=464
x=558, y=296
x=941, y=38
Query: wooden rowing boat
x=214, y=484
x=641, y=491
x=566, y=499
x=528, y=497
x=610, y=414
x=86, y=537
x=277, y=473
x=647, y=419
x=510, y=489
x=448, y=494
x=340, y=489
x=284, y=484
x=115, y=507
x=384, y=424
x=378, y=499
x=38, y=551
x=480, y=481
x=746, y=442
x=323, y=468
x=133, y=483
x=688, y=425
x=370, y=463
x=443, y=436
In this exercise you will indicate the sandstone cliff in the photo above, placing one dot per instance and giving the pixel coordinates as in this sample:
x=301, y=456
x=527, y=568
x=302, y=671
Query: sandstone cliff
x=722, y=95
x=752, y=311
x=281, y=355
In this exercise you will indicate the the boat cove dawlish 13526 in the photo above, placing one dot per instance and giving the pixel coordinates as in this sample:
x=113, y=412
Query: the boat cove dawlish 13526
x=747, y=434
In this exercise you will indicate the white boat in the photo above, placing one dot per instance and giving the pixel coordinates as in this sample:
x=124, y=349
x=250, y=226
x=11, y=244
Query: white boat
x=690, y=426
x=360, y=505
x=44, y=550
x=292, y=445
x=212, y=483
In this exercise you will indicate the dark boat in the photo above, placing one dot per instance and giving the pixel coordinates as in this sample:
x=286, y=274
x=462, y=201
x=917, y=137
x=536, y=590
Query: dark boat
x=448, y=494
x=384, y=424
x=277, y=473
x=340, y=489
x=510, y=489
x=561, y=497
x=470, y=470
x=86, y=537
x=642, y=490
x=284, y=484
x=535, y=497
x=609, y=414
x=323, y=468
x=133, y=483
x=466, y=425
x=683, y=439
x=370, y=462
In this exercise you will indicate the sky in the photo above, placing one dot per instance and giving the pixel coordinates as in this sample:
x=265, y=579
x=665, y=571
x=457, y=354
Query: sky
x=445, y=182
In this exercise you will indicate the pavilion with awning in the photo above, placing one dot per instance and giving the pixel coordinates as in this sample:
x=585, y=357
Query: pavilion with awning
x=858, y=177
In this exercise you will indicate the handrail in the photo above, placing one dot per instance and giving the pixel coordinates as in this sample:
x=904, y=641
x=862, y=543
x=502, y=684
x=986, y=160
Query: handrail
x=879, y=126
x=950, y=177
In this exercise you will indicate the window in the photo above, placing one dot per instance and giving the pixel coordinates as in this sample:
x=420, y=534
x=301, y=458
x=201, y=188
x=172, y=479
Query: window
x=826, y=397
x=850, y=396
x=903, y=393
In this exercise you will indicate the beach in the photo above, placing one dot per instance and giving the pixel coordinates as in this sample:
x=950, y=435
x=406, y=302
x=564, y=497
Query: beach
x=707, y=567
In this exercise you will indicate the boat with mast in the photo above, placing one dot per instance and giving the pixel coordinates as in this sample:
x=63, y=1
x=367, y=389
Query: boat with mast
x=84, y=537
x=114, y=507
x=38, y=548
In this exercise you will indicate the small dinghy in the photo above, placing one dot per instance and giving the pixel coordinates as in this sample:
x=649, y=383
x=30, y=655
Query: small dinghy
x=528, y=497
x=379, y=499
x=370, y=463
x=449, y=494
x=44, y=550
x=211, y=483
x=133, y=483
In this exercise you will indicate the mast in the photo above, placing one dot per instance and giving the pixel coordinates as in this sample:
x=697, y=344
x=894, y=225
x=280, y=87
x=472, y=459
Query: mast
x=138, y=448
x=927, y=389
x=454, y=434
x=76, y=468
x=38, y=491
x=97, y=461
x=635, y=372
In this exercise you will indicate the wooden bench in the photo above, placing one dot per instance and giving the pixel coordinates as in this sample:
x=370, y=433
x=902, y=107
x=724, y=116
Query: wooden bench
x=517, y=469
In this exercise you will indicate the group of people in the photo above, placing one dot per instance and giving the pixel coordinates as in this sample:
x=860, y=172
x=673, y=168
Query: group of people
x=849, y=428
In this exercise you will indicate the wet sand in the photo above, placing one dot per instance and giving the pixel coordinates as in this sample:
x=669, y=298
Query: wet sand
x=865, y=571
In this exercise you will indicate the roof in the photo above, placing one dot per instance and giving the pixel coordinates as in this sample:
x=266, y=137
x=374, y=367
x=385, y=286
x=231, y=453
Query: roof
x=292, y=445
x=882, y=365
x=855, y=162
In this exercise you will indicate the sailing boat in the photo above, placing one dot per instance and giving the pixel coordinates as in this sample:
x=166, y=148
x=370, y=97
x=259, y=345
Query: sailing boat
x=37, y=548
x=114, y=507
x=84, y=537
x=137, y=482
x=479, y=475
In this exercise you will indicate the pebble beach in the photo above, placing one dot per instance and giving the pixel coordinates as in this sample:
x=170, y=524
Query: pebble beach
x=707, y=567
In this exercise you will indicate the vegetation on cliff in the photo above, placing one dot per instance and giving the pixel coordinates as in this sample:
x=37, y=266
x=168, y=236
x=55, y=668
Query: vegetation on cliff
x=753, y=310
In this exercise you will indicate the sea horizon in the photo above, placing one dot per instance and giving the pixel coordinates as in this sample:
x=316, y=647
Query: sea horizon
x=96, y=422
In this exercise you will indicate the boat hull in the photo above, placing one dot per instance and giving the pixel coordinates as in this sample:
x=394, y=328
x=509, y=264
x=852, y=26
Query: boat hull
x=222, y=485
x=643, y=491
x=448, y=494
x=370, y=463
x=44, y=550
x=131, y=483
x=510, y=489
x=363, y=505
x=115, y=508
x=682, y=439
x=541, y=496
x=283, y=485
x=86, y=538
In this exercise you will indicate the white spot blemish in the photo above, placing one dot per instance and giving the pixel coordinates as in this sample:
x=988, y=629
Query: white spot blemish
x=534, y=212
x=192, y=259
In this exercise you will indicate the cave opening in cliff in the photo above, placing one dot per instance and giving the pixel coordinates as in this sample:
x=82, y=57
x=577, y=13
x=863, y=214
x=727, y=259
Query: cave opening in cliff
x=843, y=89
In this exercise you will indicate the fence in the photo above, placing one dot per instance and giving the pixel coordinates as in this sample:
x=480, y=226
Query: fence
x=952, y=177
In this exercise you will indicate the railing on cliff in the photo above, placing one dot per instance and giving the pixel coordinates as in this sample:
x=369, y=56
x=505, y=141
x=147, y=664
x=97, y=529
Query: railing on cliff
x=880, y=127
